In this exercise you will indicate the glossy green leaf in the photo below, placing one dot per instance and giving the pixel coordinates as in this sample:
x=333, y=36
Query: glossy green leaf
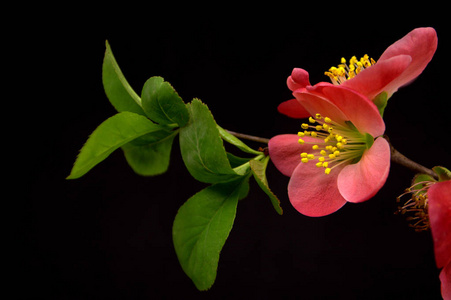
x=113, y=133
x=202, y=148
x=117, y=89
x=422, y=178
x=201, y=228
x=259, y=172
x=162, y=104
x=443, y=173
x=149, y=155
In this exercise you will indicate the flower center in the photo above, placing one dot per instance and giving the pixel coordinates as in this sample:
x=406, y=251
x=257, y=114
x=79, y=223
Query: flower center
x=345, y=71
x=336, y=144
x=417, y=205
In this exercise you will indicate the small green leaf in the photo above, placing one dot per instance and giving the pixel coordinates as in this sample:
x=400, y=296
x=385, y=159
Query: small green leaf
x=236, y=161
x=202, y=148
x=226, y=136
x=162, y=104
x=201, y=228
x=381, y=101
x=259, y=172
x=149, y=155
x=117, y=89
x=443, y=173
x=113, y=133
x=422, y=178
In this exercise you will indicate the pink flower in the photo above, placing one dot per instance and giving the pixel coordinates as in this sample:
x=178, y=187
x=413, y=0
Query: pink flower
x=399, y=65
x=336, y=159
x=439, y=202
x=430, y=204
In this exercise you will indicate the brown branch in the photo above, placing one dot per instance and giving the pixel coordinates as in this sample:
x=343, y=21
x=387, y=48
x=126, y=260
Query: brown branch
x=402, y=160
x=249, y=137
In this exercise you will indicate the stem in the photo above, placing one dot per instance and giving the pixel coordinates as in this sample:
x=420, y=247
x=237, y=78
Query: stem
x=249, y=137
x=399, y=158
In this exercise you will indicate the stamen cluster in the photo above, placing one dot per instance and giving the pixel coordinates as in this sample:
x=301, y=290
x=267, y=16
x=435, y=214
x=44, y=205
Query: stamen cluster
x=417, y=205
x=336, y=143
x=345, y=71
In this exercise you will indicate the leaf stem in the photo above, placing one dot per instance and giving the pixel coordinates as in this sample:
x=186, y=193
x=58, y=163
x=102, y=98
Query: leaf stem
x=249, y=137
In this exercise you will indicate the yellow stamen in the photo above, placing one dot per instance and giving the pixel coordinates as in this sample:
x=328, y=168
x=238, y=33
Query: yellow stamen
x=336, y=143
x=344, y=72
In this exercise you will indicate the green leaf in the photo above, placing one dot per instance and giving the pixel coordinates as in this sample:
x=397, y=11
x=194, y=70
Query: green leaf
x=226, y=136
x=149, y=155
x=201, y=228
x=259, y=171
x=422, y=178
x=236, y=161
x=202, y=148
x=113, y=133
x=162, y=104
x=381, y=101
x=117, y=89
x=443, y=173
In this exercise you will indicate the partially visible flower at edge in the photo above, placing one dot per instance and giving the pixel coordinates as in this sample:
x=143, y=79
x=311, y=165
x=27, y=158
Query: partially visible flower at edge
x=399, y=65
x=431, y=204
x=340, y=156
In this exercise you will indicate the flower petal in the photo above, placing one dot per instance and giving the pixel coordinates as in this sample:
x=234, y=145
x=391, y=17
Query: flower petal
x=420, y=44
x=439, y=202
x=358, y=109
x=378, y=78
x=299, y=79
x=316, y=103
x=293, y=109
x=314, y=193
x=445, y=278
x=361, y=181
x=285, y=151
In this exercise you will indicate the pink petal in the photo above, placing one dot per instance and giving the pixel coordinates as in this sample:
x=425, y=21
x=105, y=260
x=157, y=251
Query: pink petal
x=285, y=151
x=293, y=109
x=314, y=193
x=445, y=278
x=357, y=108
x=439, y=196
x=299, y=79
x=372, y=81
x=361, y=181
x=420, y=44
x=316, y=103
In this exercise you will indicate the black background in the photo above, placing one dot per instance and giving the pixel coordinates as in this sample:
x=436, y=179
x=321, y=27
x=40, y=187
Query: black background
x=108, y=234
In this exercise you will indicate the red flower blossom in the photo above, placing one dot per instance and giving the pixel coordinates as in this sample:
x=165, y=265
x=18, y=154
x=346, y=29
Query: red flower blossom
x=336, y=159
x=399, y=65
x=439, y=202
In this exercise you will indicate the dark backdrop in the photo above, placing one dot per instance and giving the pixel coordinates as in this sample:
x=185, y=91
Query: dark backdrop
x=108, y=234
